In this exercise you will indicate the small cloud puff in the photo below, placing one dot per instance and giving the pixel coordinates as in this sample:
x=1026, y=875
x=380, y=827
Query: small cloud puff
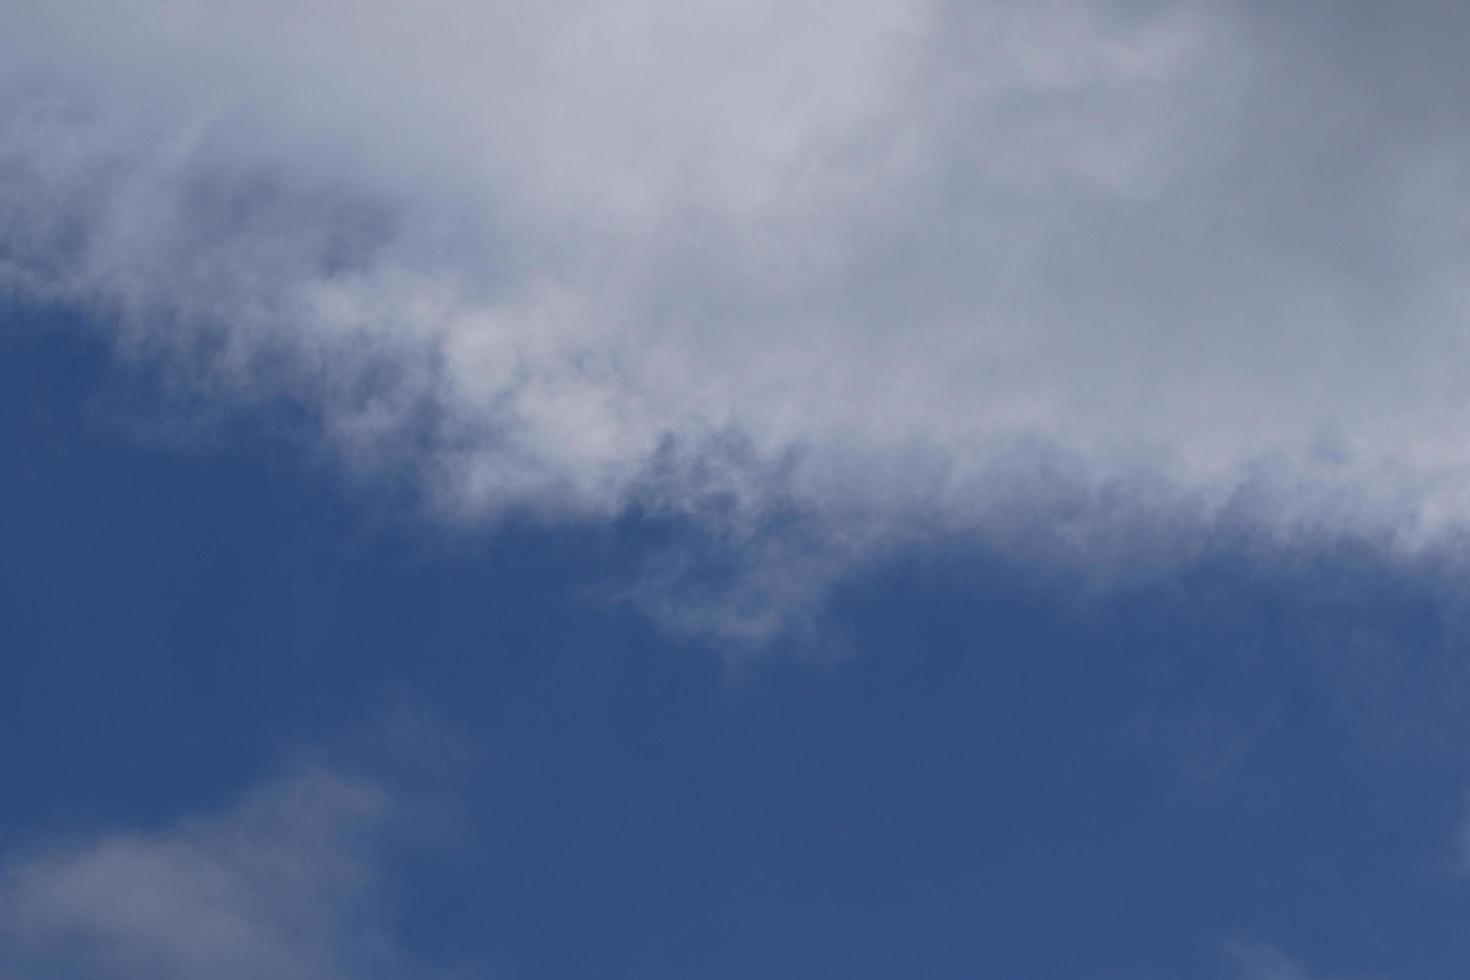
x=284, y=885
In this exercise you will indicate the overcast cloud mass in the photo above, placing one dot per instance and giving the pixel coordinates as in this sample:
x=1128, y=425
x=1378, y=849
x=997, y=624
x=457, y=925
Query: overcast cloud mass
x=1089, y=280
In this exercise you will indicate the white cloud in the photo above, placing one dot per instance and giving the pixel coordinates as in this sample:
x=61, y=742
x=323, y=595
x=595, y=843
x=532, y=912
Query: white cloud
x=283, y=886
x=1262, y=961
x=1091, y=281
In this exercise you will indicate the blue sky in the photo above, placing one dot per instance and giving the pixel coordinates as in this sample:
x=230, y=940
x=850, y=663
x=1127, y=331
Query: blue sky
x=678, y=490
x=993, y=777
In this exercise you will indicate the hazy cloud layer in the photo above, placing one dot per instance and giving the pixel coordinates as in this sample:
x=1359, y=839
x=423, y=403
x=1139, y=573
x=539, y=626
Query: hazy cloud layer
x=282, y=886
x=1094, y=281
